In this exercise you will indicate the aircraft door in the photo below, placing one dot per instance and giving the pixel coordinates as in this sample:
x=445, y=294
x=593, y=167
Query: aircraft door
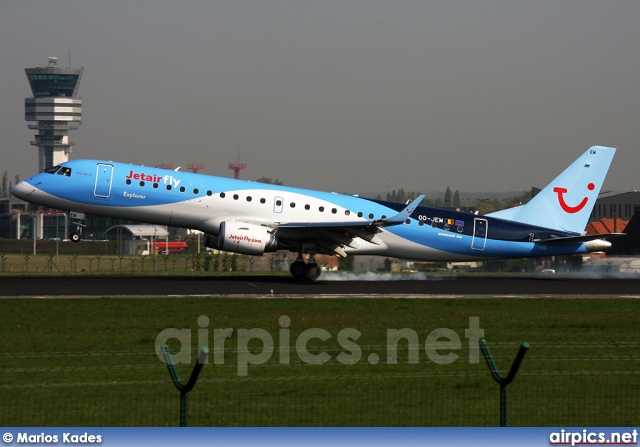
x=278, y=204
x=104, y=176
x=479, y=240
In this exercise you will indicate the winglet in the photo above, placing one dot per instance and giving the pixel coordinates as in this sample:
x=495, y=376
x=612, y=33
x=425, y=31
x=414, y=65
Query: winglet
x=403, y=215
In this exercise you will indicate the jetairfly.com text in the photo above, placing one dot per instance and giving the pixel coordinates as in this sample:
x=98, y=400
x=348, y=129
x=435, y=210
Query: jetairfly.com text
x=242, y=238
x=440, y=345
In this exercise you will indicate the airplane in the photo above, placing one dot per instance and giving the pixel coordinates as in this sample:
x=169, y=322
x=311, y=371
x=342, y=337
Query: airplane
x=253, y=218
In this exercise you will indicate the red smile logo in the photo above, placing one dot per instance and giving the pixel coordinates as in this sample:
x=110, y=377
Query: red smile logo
x=572, y=209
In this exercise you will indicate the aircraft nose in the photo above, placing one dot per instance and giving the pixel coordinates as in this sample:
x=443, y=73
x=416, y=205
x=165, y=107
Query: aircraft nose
x=23, y=190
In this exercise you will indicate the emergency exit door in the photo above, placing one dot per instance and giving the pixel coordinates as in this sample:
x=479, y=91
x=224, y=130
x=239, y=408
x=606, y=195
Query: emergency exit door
x=479, y=240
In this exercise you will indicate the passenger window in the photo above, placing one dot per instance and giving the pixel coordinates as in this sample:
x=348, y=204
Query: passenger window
x=195, y=191
x=182, y=189
x=141, y=183
x=128, y=182
x=209, y=193
x=168, y=187
x=155, y=185
x=263, y=201
x=222, y=195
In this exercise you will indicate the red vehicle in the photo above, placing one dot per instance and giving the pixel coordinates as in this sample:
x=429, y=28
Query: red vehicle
x=168, y=247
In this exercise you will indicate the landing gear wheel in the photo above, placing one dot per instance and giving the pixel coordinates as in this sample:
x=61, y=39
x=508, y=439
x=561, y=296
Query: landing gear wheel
x=312, y=271
x=298, y=269
x=77, y=218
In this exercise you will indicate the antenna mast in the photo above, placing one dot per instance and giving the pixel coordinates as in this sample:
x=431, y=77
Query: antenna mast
x=237, y=167
x=196, y=167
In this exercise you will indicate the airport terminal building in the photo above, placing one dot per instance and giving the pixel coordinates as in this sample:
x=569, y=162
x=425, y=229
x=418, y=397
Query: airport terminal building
x=615, y=204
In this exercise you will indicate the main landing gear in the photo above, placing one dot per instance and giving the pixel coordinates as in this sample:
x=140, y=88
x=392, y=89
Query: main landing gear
x=309, y=270
x=77, y=218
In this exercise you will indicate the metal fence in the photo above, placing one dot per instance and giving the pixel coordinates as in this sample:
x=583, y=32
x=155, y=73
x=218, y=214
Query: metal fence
x=470, y=400
x=98, y=263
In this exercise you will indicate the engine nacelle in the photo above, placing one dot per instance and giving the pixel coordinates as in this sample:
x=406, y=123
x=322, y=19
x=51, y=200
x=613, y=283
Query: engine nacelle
x=243, y=238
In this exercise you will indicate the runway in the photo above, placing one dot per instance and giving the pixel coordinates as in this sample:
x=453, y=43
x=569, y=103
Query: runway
x=331, y=287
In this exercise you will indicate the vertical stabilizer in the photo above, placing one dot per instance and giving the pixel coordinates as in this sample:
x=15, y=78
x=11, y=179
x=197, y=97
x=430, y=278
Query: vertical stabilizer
x=566, y=203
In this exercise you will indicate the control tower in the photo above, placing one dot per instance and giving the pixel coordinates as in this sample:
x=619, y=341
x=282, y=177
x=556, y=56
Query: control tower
x=54, y=107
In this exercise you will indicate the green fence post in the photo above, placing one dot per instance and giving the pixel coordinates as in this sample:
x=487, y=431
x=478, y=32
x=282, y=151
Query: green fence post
x=503, y=381
x=184, y=389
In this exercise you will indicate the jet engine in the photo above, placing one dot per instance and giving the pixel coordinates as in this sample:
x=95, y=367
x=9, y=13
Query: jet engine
x=243, y=238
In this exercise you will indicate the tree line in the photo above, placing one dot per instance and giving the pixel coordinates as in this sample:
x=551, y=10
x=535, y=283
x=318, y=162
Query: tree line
x=5, y=187
x=452, y=199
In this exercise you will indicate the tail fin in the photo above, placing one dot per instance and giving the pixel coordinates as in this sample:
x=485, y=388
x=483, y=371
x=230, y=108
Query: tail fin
x=566, y=203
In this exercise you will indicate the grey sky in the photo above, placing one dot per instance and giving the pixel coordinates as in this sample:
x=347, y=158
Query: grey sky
x=350, y=96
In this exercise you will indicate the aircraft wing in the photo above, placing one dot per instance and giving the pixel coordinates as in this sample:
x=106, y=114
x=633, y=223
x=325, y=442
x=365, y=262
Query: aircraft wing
x=332, y=236
x=397, y=219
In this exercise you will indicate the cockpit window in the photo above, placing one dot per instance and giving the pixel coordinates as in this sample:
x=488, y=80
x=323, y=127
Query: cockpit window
x=51, y=170
x=65, y=171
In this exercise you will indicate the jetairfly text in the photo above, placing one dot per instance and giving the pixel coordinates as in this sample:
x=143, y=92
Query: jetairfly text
x=167, y=179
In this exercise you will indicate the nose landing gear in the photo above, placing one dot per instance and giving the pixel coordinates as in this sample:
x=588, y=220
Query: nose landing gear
x=77, y=218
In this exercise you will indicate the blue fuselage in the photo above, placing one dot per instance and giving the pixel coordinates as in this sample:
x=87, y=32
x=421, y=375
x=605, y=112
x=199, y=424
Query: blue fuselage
x=294, y=215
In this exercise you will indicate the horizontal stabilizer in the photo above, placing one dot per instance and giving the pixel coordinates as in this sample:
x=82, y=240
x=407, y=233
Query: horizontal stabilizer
x=578, y=239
